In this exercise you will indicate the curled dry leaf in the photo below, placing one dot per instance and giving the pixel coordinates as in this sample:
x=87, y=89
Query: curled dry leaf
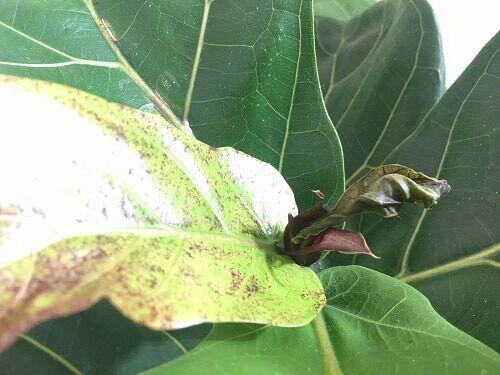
x=101, y=201
x=383, y=191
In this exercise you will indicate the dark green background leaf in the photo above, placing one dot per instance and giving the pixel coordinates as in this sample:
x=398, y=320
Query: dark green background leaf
x=380, y=73
x=58, y=41
x=342, y=10
x=97, y=341
x=452, y=252
x=243, y=74
x=372, y=324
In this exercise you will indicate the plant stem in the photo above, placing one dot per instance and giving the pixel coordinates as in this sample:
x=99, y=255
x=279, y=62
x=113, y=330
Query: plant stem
x=160, y=104
x=478, y=259
x=330, y=362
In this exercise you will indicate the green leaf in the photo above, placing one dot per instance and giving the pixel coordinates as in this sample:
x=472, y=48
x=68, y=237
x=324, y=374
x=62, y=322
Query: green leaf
x=451, y=253
x=58, y=41
x=372, y=324
x=96, y=341
x=242, y=75
x=380, y=73
x=342, y=10
x=83, y=233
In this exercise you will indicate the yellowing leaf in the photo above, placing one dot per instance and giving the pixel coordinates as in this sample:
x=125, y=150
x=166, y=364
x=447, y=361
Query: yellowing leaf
x=101, y=201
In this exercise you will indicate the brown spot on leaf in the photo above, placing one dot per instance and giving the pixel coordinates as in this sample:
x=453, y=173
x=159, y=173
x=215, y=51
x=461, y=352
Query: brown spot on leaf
x=237, y=278
x=252, y=286
x=10, y=209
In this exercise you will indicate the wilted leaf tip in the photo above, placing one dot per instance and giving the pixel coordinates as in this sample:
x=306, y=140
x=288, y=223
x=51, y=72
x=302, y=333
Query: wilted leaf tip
x=383, y=191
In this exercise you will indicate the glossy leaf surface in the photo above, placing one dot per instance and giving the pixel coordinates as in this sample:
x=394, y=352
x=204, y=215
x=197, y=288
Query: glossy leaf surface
x=58, y=41
x=341, y=10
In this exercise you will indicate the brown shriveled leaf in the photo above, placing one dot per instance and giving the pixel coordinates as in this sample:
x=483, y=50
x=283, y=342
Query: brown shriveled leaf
x=383, y=191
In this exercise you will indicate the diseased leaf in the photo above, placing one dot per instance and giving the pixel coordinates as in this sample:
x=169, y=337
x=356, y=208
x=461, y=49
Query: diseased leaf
x=383, y=191
x=371, y=324
x=380, y=73
x=451, y=253
x=168, y=229
x=58, y=41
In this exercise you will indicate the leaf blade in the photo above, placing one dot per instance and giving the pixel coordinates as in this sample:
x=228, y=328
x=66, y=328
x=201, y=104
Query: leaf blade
x=384, y=79
x=84, y=219
x=48, y=38
x=463, y=225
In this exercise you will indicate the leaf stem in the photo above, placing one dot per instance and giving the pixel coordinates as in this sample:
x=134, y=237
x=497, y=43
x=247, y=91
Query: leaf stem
x=157, y=100
x=477, y=259
x=330, y=362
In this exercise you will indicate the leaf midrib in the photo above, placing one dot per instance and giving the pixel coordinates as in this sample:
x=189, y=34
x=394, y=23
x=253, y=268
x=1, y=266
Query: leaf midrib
x=330, y=361
x=481, y=258
x=162, y=107
x=287, y=128
x=72, y=59
x=196, y=60
x=52, y=354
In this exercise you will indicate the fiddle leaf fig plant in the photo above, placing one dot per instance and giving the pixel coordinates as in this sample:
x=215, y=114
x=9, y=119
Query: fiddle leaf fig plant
x=171, y=169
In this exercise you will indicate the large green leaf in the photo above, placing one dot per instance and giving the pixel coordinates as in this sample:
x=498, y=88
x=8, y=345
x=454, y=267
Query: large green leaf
x=372, y=324
x=171, y=231
x=243, y=75
x=380, y=73
x=451, y=253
